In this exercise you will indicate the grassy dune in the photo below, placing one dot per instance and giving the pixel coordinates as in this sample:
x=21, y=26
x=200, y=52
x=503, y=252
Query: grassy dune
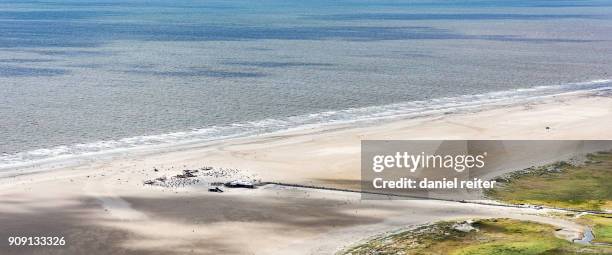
x=601, y=225
x=493, y=236
x=585, y=187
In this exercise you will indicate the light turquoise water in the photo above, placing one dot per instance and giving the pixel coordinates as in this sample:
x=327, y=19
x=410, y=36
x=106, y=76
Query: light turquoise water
x=87, y=76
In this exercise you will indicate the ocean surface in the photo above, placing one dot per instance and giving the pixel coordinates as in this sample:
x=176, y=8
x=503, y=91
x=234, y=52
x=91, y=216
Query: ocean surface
x=83, y=77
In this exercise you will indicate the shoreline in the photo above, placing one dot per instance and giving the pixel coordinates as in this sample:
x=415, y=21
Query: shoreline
x=364, y=130
x=105, y=200
x=396, y=112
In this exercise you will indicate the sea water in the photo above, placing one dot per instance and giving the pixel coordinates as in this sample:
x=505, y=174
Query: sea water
x=80, y=77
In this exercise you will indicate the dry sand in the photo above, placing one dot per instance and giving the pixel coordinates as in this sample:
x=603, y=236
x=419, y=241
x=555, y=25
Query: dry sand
x=102, y=207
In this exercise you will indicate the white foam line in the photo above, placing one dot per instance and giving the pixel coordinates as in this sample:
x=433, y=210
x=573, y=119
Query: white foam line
x=352, y=115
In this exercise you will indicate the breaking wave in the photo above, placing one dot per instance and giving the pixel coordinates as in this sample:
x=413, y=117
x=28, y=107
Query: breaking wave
x=411, y=109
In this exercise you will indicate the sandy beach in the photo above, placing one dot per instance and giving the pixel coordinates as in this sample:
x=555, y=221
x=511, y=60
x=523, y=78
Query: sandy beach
x=101, y=206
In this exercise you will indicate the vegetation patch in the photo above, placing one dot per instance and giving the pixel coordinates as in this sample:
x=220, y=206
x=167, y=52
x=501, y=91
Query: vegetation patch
x=601, y=224
x=491, y=236
x=562, y=185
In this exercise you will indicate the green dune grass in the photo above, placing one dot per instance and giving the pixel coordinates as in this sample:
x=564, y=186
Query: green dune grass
x=494, y=236
x=585, y=187
x=601, y=225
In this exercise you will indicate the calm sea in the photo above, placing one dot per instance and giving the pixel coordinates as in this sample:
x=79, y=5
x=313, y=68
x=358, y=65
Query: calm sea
x=82, y=76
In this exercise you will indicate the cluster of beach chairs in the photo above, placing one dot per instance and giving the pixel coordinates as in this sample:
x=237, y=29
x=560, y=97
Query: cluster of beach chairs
x=230, y=178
